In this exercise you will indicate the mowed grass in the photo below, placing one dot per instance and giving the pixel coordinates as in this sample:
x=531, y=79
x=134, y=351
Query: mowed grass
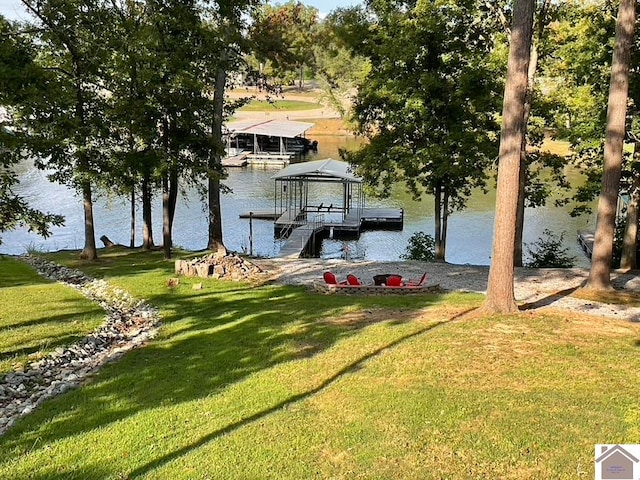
x=284, y=105
x=274, y=382
x=37, y=316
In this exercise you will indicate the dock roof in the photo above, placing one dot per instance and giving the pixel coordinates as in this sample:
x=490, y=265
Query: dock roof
x=272, y=128
x=319, y=170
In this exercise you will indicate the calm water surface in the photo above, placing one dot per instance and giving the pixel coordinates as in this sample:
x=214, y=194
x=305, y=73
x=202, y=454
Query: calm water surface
x=469, y=236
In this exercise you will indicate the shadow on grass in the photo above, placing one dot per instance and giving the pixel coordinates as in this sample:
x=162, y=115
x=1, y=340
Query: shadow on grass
x=210, y=340
x=352, y=367
x=117, y=261
x=15, y=273
x=44, y=343
x=549, y=299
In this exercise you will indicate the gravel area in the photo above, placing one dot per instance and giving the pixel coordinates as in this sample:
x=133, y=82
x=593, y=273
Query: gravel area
x=534, y=287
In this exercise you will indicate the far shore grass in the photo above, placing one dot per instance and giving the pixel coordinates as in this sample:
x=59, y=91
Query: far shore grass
x=268, y=381
x=278, y=105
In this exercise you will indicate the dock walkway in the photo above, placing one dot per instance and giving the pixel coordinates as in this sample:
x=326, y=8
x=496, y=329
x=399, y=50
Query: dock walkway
x=239, y=160
x=297, y=241
x=586, y=240
x=352, y=224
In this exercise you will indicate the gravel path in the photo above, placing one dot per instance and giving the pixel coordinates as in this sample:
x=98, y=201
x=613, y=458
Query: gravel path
x=534, y=288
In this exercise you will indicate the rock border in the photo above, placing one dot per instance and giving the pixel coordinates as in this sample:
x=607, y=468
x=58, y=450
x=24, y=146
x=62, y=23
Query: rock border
x=129, y=324
x=319, y=286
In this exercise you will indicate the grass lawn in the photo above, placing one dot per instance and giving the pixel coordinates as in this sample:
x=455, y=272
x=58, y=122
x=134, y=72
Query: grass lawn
x=285, y=105
x=274, y=382
x=36, y=315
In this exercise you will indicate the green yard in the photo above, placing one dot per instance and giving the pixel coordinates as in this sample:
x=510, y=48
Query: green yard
x=274, y=382
x=37, y=315
x=277, y=105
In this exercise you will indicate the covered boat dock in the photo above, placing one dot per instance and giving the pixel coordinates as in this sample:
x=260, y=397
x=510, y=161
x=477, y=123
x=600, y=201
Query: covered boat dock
x=334, y=208
x=266, y=141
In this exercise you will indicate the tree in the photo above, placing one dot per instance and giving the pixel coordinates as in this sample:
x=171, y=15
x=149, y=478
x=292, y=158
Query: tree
x=224, y=32
x=500, y=296
x=599, y=274
x=427, y=105
x=339, y=69
x=629, y=254
x=63, y=120
x=285, y=36
x=19, y=76
x=158, y=103
x=132, y=121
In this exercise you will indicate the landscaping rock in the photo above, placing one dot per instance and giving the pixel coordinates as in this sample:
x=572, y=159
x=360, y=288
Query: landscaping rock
x=128, y=324
x=227, y=267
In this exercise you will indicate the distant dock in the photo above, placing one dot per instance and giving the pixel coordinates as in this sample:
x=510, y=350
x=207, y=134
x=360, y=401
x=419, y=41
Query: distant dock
x=260, y=215
x=586, y=240
x=264, y=159
x=239, y=160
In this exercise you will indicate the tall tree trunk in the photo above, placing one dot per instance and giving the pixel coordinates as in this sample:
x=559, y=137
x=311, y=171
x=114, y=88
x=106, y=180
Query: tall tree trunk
x=169, y=200
x=215, y=242
x=599, y=274
x=173, y=195
x=439, y=254
x=524, y=165
x=301, y=80
x=132, y=240
x=166, y=218
x=628, y=261
x=147, y=227
x=89, y=252
x=522, y=184
x=445, y=222
x=500, y=296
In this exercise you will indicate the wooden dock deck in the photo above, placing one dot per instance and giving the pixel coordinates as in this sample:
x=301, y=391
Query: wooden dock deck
x=261, y=214
x=239, y=160
x=245, y=158
x=352, y=224
x=389, y=218
x=297, y=241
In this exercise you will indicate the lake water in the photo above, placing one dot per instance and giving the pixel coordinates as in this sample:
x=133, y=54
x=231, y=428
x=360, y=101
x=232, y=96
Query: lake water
x=469, y=235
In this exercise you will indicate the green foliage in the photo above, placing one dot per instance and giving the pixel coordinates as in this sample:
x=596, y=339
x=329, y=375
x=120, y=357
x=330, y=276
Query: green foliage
x=285, y=35
x=420, y=247
x=119, y=94
x=339, y=69
x=428, y=102
x=18, y=76
x=547, y=252
x=618, y=241
x=575, y=83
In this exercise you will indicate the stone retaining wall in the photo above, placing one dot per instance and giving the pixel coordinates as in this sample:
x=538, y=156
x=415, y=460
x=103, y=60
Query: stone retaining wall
x=327, y=289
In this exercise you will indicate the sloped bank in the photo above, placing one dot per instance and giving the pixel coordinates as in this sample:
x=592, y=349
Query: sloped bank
x=129, y=323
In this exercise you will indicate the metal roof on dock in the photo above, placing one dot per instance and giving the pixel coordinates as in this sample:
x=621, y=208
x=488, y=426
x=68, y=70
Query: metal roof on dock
x=327, y=169
x=272, y=128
